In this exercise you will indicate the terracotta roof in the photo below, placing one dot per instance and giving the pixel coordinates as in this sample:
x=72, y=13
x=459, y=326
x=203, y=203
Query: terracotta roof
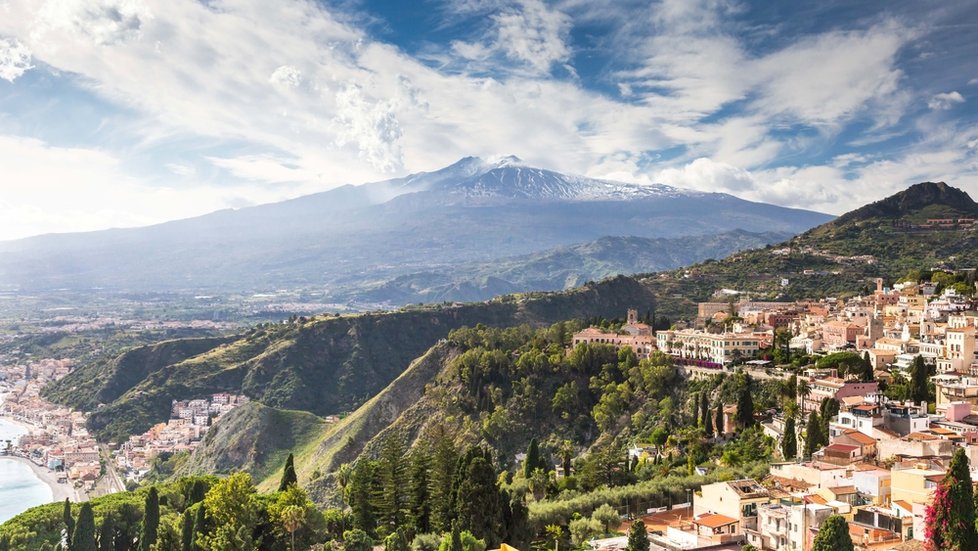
x=713, y=520
x=843, y=490
x=860, y=437
x=817, y=499
x=841, y=448
x=920, y=436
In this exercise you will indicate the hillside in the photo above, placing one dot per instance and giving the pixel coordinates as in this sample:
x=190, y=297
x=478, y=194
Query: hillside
x=324, y=365
x=560, y=268
x=353, y=239
x=885, y=239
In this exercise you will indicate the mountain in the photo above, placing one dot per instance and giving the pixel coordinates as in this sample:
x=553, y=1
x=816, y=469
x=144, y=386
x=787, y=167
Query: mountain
x=560, y=268
x=355, y=238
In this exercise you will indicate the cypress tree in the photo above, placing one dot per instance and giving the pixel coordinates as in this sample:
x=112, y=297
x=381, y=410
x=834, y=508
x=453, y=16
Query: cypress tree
x=477, y=502
x=4, y=542
x=532, y=461
x=704, y=409
x=455, y=541
x=813, y=434
x=151, y=520
x=719, y=420
x=745, y=406
x=638, y=538
x=918, y=380
x=106, y=535
x=949, y=525
x=833, y=535
x=200, y=527
x=288, y=475
x=187, y=531
x=83, y=537
x=707, y=420
x=69, y=521
x=789, y=442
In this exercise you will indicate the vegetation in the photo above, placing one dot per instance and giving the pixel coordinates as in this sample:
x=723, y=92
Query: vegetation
x=950, y=518
x=833, y=535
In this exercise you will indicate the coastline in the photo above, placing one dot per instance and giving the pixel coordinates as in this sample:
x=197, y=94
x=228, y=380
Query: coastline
x=58, y=491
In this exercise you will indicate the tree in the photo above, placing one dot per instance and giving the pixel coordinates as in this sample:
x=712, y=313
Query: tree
x=918, y=380
x=392, y=508
x=789, y=442
x=83, y=537
x=69, y=522
x=813, y=434
x=232, y=514
x=357, y=540
x=359, y=495
x=638, y=538
x=949, y=525
x=292, y=518
x=187, y=531
x=707, y=420
x=704, y=409
x=745, y=405
x=605, y=514
x=106, y=535
x=718, y=422
x=151, y=520
x=833, y=535
x=288, y=474
x=477, y=504
x=532, y=461
x=200, y=528
x=419, y=492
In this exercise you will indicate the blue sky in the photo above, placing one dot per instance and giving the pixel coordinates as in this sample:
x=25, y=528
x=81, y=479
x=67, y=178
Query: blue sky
x=130, y=112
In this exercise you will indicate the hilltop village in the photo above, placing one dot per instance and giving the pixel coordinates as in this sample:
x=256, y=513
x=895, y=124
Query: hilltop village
x=895, y=375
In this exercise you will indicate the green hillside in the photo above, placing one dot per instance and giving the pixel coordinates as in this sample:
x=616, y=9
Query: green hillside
x=324, y=365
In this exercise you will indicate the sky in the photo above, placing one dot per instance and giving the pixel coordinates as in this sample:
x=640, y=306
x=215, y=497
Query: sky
x=117, y=113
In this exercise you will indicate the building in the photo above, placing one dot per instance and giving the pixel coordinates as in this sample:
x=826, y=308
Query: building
x=835, y=388
x=736, y=499
x=711, y=349
x=637, y=336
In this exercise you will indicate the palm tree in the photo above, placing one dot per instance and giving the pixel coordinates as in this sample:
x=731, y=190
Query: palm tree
x=292, y=518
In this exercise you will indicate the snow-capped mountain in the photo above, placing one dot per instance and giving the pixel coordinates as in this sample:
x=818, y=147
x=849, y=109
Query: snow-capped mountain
x=473, y=178
x=357, y=236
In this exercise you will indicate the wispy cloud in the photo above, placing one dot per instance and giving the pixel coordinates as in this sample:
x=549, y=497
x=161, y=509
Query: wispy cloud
x=945, y=100
x=15, y=59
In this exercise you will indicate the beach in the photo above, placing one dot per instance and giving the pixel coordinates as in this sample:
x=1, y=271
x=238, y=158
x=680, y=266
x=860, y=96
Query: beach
x=58, y=491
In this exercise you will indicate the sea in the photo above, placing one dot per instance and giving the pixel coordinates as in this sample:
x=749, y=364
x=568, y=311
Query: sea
x=20, y=488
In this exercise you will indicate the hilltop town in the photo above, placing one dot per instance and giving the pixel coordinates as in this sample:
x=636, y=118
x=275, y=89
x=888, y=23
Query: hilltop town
x=894, y=375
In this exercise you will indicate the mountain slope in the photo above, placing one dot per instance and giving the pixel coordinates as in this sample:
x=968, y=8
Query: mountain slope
x=325, y=365
x=355, y=237
x=560, y=268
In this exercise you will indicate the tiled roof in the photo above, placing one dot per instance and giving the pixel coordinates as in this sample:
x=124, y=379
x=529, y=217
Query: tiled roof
x=712, y=520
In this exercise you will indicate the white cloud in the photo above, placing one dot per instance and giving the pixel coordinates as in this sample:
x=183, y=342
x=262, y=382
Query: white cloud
x=15, y=59
x=105, y=22
x=370, y=124
x=945, y=100
x=534, y=34
x=286, y=77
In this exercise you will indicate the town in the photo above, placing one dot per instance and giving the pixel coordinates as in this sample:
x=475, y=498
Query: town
x=883, y=458
x=58, y=442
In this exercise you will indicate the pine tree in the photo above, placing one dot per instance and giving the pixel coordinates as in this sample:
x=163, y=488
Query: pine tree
x=443, y=461
x=288, y=474
x=187, y=531
x=106, y=533
x=638, y=538
x=789, y=442
x=948, y=524
x=151, y=520
x=392, y=507
x=83, y=537
x=360, y=495
x=745, y=405
x=813, y=434
x=833, y=535
x=532, y=461
x=419, y=498
x=69, y=521
x=918, y=380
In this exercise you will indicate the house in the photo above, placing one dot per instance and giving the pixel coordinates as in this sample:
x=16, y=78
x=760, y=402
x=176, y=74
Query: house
x=633, y=334
x=872, y=483
x=836, y=389
x=838, y=454
x=718, y=528
x=851, y=437
x=788, y=526
x=737, y=499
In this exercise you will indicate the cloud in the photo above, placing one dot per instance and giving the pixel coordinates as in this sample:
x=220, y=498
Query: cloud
x=105, y=22
x=286, y=77
x=372, y=125
x=533, y=34
x=944, y=101
x=15, y=59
